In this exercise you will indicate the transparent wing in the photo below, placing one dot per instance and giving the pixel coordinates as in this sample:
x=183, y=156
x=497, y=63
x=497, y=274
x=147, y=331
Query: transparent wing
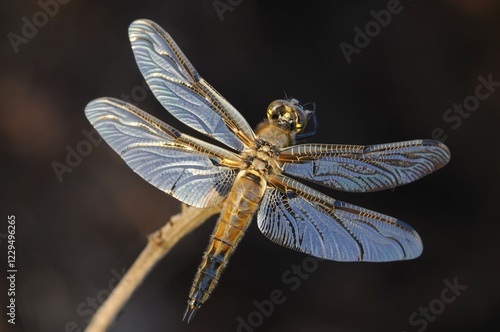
x=195, y=172
x=356, y=168
x=181, y=90
x=298, y=217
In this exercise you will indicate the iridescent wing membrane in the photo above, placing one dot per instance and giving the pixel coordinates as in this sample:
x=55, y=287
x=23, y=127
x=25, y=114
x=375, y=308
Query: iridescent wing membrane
x=201, y=174
x=303, y=219
x=190, y=170
x=181, y=90
x=300, y=218
x=356, y=168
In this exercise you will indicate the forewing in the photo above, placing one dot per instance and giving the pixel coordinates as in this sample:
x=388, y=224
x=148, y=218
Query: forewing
x=190, y=170
x=298, y=217
x=356, y=168
x=181, y=90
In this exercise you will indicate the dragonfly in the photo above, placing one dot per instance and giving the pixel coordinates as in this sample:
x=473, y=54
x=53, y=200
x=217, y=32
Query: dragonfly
x=259, y=172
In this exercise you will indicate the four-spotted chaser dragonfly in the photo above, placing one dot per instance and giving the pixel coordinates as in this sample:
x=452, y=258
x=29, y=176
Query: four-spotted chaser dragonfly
x=252, y=176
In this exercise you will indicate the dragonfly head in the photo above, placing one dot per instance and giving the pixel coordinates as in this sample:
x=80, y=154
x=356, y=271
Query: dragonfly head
x=289, y=114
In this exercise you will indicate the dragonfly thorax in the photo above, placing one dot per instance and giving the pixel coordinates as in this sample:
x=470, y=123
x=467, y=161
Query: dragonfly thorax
x=262, y=157
x=259, y=164
x=273, y=135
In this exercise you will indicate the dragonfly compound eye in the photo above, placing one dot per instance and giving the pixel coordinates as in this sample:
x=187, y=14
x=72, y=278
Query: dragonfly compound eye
x=288, y=114
x=299, y=115
x=275, y=109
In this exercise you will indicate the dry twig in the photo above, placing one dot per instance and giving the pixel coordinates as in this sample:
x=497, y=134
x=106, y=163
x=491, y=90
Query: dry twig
x=159, y=244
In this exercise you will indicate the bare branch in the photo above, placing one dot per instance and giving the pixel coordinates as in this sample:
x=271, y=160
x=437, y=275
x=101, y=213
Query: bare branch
x=159, y=244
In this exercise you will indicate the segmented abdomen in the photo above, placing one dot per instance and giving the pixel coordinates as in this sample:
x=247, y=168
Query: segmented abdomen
x=236, y=215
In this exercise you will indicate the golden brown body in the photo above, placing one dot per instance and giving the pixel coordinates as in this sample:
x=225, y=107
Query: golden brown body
x=237, y=212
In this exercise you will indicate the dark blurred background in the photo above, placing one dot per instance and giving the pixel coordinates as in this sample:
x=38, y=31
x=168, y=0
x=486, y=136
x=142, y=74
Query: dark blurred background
x=78, y=232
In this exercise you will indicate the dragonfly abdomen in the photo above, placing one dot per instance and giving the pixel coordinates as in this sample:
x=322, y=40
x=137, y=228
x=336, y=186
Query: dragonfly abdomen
x=241, y=203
